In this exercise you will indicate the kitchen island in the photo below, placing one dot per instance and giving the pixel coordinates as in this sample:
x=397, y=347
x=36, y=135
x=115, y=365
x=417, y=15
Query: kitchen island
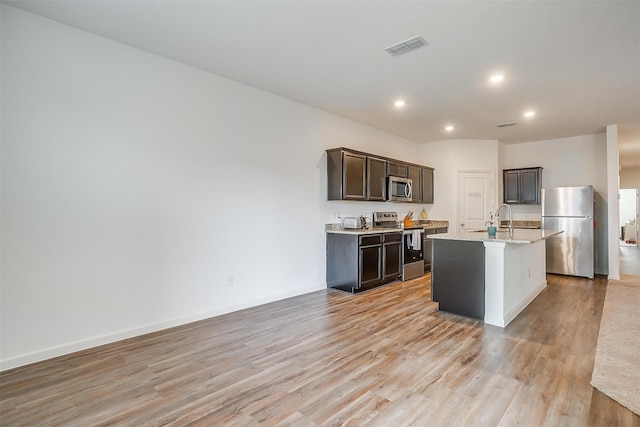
x=491, y=278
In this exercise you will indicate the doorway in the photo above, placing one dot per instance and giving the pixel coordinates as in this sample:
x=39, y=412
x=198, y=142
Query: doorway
x=629, y=202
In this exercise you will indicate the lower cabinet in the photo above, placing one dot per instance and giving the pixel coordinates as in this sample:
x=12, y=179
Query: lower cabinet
x=428, y=245
x=391, y=256
x=370, y=260
x=359, y=262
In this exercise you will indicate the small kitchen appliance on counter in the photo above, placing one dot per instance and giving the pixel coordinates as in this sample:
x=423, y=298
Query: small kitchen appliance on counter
x=354, y=222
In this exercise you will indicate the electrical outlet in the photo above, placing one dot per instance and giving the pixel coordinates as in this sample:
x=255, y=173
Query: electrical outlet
x=231, y=280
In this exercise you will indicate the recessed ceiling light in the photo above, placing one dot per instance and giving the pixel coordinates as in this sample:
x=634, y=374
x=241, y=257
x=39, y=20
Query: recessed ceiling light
x=496, y=78
x=399, y=103
x=449, y=128
x=529, y=114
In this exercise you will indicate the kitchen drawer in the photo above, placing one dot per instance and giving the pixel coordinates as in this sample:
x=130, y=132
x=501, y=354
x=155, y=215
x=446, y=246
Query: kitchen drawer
x=392, y=237
x=371, y=239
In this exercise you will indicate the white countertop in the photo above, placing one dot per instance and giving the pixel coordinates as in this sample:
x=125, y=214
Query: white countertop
x=520, y=236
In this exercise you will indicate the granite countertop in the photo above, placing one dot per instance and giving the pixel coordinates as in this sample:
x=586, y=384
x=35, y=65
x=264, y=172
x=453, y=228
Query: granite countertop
x=425, y=224
x=522, y=224
x=520, y=236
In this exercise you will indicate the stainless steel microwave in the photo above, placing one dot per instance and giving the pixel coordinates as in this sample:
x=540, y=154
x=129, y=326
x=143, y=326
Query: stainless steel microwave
x=399, y=189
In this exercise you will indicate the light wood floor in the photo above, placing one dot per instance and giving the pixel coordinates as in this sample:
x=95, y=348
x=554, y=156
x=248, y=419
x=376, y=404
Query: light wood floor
x=386, y=357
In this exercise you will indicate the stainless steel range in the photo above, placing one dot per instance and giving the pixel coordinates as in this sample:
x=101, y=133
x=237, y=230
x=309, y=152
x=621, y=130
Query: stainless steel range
x=412, y=250
x=385, y=220
x=412, y=253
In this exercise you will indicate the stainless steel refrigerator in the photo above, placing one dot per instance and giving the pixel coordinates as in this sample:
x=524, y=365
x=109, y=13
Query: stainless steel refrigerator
x=571, y=209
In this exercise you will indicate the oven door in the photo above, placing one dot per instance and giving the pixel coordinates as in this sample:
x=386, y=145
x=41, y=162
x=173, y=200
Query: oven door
x=412, y=251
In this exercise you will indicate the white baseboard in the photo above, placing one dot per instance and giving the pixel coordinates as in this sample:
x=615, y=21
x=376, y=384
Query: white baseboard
x=517, y=309
x=61, y=350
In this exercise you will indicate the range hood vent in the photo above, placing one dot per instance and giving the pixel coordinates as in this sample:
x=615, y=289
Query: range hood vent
x=406, y=46
x=504, y=125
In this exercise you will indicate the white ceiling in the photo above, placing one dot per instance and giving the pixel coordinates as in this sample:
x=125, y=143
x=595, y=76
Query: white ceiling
x=576, y=63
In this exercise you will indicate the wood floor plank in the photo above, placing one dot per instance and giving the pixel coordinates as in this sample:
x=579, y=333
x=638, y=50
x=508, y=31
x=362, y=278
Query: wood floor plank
x=383, y=357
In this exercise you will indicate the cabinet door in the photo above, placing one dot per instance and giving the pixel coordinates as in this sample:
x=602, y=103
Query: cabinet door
x=370, y=260
x=353, y=176
x=530, y=186
x=426, y=247
x=391, y=256
x=396, y=169
x=415, y=174
x=511, y=183
x=376, y=179
x=427, y=185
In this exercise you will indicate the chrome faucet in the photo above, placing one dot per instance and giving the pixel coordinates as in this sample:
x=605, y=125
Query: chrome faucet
x=510, y=217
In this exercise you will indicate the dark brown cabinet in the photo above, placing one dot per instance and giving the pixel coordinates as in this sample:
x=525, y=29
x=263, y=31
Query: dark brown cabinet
x=370, y=260
x=359, y=262
x=391, y=256
x=522, y=186
x=346, y=175
x=427, y=185
x=376, y=179
x=353, y=175
x=396, y=169
x=427, y=246
x=353, y=179
x=415, y=174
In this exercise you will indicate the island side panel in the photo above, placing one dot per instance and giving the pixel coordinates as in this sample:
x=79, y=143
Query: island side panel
x=525, y=277
x=457, y=277
x=515, y=275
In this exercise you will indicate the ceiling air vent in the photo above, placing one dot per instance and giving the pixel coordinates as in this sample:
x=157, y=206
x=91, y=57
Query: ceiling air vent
x=504, y=125
x=406, y=46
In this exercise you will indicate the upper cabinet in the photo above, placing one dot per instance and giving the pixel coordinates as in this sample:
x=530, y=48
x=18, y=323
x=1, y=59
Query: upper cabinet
x=427, y=185
x=353, y=175
x=415, y=174
x=396, y=169
x=522, y=186
x=376, y=179
x=346, y=173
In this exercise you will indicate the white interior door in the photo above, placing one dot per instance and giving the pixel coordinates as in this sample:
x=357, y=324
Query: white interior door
x=476, y=199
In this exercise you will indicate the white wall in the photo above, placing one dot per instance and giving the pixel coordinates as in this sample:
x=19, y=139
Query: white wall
x=630, y=178
x=567, y=162
x=134, y=187
x=450, y=157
